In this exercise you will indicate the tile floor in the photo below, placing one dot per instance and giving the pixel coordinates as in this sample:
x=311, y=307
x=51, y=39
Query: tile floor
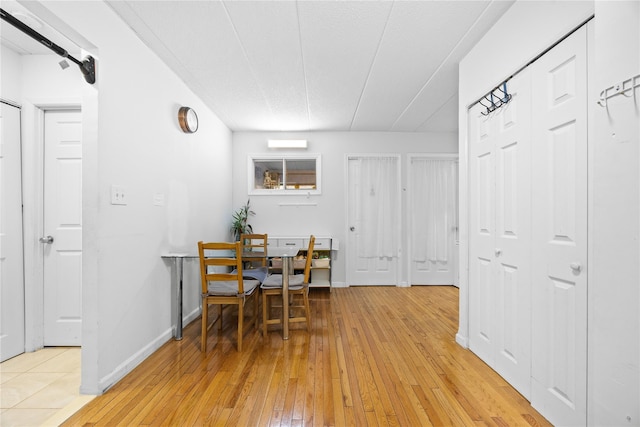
x=41, y=388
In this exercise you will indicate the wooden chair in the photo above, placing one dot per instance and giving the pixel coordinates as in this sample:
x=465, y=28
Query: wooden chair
x=298, y=285
x=225, y=288
x=255, y=267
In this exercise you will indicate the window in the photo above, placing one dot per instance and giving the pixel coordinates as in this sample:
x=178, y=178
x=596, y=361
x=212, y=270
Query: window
x=284, y=174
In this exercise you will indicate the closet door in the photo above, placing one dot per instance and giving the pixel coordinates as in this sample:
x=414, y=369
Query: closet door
x=12, y=341
x=500, y=239
x=559, y=365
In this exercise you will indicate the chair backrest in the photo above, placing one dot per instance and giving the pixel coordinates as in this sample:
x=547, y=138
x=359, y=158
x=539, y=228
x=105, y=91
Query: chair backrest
x=254, y=244
x=219, y=255
x=307, y=264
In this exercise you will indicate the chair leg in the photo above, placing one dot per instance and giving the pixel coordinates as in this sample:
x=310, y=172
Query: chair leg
x=265, y=310
x=203, y=337
x=256, y=308
x=240, y=325
x=307, y=309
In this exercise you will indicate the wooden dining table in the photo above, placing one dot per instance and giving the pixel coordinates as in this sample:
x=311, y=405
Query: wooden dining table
x=286, y=253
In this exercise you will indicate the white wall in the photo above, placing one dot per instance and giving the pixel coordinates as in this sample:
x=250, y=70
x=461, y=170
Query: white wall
x=131, y=138
x=10, y=75
x=328, y=217
x=614, y=291
x=614, y=272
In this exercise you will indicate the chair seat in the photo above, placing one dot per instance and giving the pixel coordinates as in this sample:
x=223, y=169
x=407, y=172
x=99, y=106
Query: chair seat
x=274, y=281
x=230, y=287
x=259, y=274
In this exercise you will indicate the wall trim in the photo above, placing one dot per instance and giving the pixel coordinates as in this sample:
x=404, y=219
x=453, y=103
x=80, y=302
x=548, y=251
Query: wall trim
x=131, y=363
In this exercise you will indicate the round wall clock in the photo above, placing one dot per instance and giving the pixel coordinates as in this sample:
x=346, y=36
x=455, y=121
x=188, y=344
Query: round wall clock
x=188, y=119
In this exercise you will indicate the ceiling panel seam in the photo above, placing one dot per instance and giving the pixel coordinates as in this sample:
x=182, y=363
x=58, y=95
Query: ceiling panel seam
x=437, y=70
x=436, y=111
x=304, y=68
x=373, y=61
x=192, y=83
x=246, y=57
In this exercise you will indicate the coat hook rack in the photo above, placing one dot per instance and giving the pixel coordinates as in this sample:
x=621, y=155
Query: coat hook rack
x=496, y=98
x=622, y=88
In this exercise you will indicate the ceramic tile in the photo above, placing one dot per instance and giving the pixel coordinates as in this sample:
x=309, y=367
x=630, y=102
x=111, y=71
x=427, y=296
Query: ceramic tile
x=6, y=376
x=67, y=361
x=25, y=417
x=21, y=387
x=59, y=417
x=27, y=361
x=56, y=395
x=41, y=388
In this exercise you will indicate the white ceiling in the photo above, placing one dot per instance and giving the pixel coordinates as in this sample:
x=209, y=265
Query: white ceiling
x=317, y=65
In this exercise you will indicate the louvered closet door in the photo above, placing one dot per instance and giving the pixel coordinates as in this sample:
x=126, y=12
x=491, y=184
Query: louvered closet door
x=560, y=232
x=500, y=240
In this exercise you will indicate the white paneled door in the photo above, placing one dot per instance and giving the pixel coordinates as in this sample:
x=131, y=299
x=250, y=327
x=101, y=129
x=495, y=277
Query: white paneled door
x=11, y=255
x=528, y=233
x=560, y=232
x=432, y=219
x=62, y=240
x=374, y=220
x=500, y=235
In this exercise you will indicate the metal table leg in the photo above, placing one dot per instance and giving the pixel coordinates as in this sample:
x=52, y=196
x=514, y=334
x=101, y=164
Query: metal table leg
x=285, y=297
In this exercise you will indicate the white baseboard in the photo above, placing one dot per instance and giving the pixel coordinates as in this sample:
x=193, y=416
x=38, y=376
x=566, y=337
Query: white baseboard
x=191, y=316
x=404, y=285
x=128, y=365
x=462, y=340
x=339, y=285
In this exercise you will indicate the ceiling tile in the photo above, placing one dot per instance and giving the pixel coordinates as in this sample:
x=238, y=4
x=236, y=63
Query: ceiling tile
x=417, y=40
x=317, y=65
x=270, y=37
x=339, y=43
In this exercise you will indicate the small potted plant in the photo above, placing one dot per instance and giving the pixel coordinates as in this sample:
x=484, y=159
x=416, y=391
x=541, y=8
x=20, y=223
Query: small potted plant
x=240, y=221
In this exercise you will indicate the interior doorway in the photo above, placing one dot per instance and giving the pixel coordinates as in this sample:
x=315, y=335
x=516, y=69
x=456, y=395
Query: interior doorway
x=62, y=237
x=374, y=220
x=432, y=219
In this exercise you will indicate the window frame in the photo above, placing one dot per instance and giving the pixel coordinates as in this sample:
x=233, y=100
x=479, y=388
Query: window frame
x=251, y=181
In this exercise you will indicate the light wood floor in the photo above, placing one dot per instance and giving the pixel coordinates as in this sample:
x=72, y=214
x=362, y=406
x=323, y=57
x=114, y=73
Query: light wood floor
x=376, y=356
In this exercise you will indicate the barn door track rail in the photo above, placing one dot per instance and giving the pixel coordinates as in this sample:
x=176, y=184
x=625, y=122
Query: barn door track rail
x=87, y=66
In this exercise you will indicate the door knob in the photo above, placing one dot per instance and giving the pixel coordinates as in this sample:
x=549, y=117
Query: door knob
x=352, y=228
x=498, y=252
x=48, y=239
x=576, y=267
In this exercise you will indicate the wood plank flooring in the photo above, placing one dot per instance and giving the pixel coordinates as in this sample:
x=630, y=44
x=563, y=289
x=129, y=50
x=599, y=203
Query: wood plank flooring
x=377, y=356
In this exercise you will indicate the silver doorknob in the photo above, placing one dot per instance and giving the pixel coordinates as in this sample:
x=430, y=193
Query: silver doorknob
x=352, y=228
x=498, y=252
x=48, y=239
x=575, y=266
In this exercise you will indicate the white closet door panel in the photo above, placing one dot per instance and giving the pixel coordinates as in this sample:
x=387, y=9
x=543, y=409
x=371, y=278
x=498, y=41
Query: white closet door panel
x=12, y=341
x=559, y=367
x=513, y=235
x=481, y=235
x=500, y=238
